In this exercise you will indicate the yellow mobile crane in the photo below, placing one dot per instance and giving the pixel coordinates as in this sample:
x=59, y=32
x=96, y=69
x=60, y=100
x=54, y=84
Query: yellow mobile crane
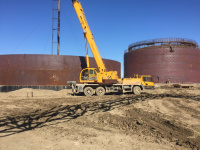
x=102, y=81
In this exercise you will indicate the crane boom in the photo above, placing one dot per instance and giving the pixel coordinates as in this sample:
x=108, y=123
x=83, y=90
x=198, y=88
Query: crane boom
x=88, y=35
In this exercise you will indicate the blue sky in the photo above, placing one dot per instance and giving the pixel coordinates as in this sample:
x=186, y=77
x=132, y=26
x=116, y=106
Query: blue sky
x=26, y=25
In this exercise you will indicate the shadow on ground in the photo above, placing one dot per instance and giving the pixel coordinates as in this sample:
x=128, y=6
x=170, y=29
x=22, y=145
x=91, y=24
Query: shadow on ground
x=10, y=125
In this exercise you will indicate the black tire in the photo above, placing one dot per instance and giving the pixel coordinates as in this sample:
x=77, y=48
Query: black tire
x=100, y=91
x=88, y=91
x=136, y=90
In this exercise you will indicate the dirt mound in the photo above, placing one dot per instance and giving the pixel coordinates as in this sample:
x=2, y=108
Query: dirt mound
x=160, y=119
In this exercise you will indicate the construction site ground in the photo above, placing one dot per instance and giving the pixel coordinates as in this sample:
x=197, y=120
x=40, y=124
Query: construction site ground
x=164, y=118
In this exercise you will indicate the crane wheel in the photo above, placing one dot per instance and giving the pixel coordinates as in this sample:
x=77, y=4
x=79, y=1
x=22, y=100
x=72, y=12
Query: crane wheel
x=100, y=91
x=88, y=91
x=136, y=90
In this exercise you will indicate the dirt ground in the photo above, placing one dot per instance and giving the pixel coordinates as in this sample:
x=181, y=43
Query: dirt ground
x=166, y=118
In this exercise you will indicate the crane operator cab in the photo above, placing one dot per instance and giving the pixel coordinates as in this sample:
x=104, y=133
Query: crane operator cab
x=88, y=75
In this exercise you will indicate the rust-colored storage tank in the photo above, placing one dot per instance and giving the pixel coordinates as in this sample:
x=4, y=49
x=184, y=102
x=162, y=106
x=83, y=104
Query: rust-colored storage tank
x=45, y=70
x=173, y=59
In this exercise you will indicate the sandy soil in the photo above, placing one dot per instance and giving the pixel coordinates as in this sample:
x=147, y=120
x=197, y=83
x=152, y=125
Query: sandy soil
x=166, y=118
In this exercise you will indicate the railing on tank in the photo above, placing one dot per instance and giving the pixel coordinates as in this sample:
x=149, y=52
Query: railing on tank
x=162, y=42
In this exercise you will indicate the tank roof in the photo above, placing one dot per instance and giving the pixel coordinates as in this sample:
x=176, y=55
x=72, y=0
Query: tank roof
x=163, y=42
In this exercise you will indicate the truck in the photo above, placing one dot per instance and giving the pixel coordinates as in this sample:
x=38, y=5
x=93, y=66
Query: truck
x=99, y=80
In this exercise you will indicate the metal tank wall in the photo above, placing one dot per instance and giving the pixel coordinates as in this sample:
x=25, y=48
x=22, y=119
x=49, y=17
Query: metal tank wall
x=181, y=64
x=37, y=70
